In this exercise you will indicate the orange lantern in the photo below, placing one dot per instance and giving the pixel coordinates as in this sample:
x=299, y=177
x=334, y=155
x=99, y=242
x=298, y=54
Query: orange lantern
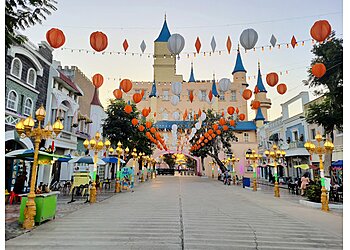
x=97, y=80
x=210, y=131
x=222, y=121
x=320, y=30
x=225, y=127
x=210, y=138
x=148, y=134
x=272, y=79
x=134, y=121
x=145, y=112
x=153, y=130
x=141, y=128
x=230, y=110
x=215, y=127
x=191, y=96
x=199, y=112
x=318, y=70
x=142, y=92
x=247, y=93
x=198, y=44
x=206, y=141
x=194, y=117
x=218, y=132
x=125, y=45
x=206, y=135
x=256, y=89
x=232, y=123
x=118, y=94
x=128, y=109
x=210, y=95
x=148, y=124
x=98, y=41
x=293, y=42
x=126, y=85
x=255, y=104
x=55, y=38
x=213, y=135
x=137, y=97
x=242, y=117
x=281, y=88
x=202, y=144
x=237, y=110
x=154, y=114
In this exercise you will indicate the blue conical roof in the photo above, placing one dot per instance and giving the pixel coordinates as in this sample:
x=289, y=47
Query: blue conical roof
x=164, y=33
x=239, y=65
x=260, y=83
x=153, y=91
x=214, y=90
x=259, y=115
x=192, y=75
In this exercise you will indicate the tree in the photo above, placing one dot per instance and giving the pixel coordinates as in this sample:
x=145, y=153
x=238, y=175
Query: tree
x=221, y=142
x=117, y=127
x=168, y=159
x=328, y=113
x=21, y=14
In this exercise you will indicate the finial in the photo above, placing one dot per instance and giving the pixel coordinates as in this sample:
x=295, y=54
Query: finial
x=192, y=64
x=258, y=64
x=238, y=47
x=165, y=16
x=213, y=76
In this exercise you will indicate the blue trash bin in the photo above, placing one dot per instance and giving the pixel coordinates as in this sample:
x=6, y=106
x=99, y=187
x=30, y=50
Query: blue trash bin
x=246, y=182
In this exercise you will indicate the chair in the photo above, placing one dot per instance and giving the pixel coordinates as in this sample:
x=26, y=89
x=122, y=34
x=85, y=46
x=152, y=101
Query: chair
x=12, y=197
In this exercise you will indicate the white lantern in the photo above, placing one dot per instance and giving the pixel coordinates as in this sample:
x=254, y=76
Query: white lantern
x=213, y=44
x=197, y=125
x=194, y=130
x=176, y=88
x=176, y=44
x=143, y=46
x=175, y=100
x=174, y=127
x=203, y=116
x=176, y=116
x=224, y=84
x=248, y=38
x=208, y=100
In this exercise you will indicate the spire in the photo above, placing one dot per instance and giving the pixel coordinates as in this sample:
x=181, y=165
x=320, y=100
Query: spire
x=239, y=65
x=192, y=75
x=259, y=115
x=96, y=100
x=213, y=88
x=260, y=83
x=164, y=33
x=154, y=90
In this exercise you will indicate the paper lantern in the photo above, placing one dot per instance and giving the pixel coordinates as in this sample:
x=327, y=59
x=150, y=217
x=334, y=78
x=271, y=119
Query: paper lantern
x=143, y=46
x=210, y=95
x=145, y=112
x=248, y=38
x=125, y=45
x=174, y=127
x=242, y=117
x=218, y=132
x=228, y=44
x=232, y=123
x=191, y=96
x=198, y=44
x=255, y=104
x=293, y=42
x=126, y=85
x=153, y=130
x=213, y=135
x=318, y=70
x=202, y=144
x=213, y=44
x=256, y=89
x=230, y=110
x=128, y=109
x=210, y=138
x=141, y=128
x=206, y=135
x=142, y=93
x=222, y=121
x=137, y=97
x=237, y=110
x=247, y=94
x=224, y=84
x=118, y=94
x=148, y=135
x=55, y=37
x=281, y=88
x=206, y=141
x=97, y=80
x=134, y=121
x=273, y=40
x=199, y=112
x=210, y=131
x=215, y=127
x=98, y=41
x=176, y=88
x=225, y=127
x=203, y=116
x=176, y=116
x=272, y=79
x=320, y=30
x=175, y=100
x=148, y=124
x=176, y=44
x=194, y=117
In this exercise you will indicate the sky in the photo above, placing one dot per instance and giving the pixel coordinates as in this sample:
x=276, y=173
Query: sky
x=142, y=20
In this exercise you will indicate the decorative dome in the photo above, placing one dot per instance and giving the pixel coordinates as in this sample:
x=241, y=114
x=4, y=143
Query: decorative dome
x=260, y=83
x=192, y=75
x=259, y=115
x=239, y=64
x=164, y=33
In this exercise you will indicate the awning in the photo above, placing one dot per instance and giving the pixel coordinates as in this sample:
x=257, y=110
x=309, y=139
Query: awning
x=86, y=160
x=112, y=160
x=337, y=164
x=302, y=166
x=44, y=158
x=296, y=152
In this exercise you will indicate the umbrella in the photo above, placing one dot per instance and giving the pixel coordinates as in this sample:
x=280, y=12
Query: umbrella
x=112, y=160
x=86, y=160
x=338, y=163
x=28, y=154
x=302, y=166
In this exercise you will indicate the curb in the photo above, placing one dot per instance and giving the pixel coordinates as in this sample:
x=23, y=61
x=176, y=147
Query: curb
x=318, y=205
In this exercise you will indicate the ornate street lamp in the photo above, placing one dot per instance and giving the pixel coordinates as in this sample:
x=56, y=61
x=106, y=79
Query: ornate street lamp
x=142, y=157
x=212, y=168
x=134, y=156
x=254, y=157
x=233, y=159
x=25, y=128
x=95, y=144
x=320, y=150
x=276, y=154
x=119, y=151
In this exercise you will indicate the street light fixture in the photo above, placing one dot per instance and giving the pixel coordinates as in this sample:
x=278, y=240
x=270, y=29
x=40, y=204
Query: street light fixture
x=95, y=144
x=275, y=153
x=254, y=157
x=25, y=128
x=320, y=150
x=134, y=156
x=233, y=159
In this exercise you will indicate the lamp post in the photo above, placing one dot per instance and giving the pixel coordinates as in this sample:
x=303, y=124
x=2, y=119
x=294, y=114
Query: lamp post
x=254, y=157
x=25, y=128
x=95, y=144
x=134, y=156
x=233, y=159
x=320, y=150
x=275, y=153
x=212, y=168
x=119, y=151
x=142, y=157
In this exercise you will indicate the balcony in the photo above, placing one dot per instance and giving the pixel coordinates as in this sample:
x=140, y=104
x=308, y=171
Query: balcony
x=296, y=144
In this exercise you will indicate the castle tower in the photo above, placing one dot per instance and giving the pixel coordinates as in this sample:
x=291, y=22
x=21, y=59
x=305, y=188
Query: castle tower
x=164, y=62
x=259, y=118
x=153, y=99
x=191, y=75
x=260, y=96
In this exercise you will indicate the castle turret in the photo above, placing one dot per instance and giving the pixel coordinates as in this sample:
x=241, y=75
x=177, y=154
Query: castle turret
x=191, y=75
x=259, y=118
x=260, y=96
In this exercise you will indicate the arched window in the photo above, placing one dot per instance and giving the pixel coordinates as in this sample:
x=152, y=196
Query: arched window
x=28, y=107
x=16, y=67
x=12, y=100
x=31, y=77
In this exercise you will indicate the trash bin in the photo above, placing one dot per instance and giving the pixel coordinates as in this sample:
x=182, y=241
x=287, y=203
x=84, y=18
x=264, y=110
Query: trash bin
x=246, y=182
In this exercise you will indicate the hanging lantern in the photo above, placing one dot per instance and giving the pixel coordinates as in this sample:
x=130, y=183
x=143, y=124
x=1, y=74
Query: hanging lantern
x=175, y=100
x=281, y=88
x=191, y=96
x=198, y=44
x=320, y=30
x=272, y=79
x=97, y=80
x=176, y=44
x=176, y=88
x=218, y=132
x=215, y=127
x=134, y=121
x=141, y=128
x=154, y=114
x=318, y=70
x=128, y=109
x=210, y=95
x=206, y=141
x=232, y=123
x=248, y=38
x=137, y=97
x=143, y=46
x=98, y=41
x=242, y=117
x=225, y=127
x=142, y=93
x=148, y=124
x=213, y=44
x=145, y=112
x=293, y=42
x=176, y=116
x=273, y=40
x=118, y=94
x=126, y=85
x=230, y=110
x=224, y=84
x=255, y=104
x=125, y=45
x=55, y=37
x=222, y=121
x=256, y=89
x=228, y=44
x=153, y=130
x=237, y=110
x=247, y=94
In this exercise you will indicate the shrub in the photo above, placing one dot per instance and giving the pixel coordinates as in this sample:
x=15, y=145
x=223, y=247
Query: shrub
x=313, y=192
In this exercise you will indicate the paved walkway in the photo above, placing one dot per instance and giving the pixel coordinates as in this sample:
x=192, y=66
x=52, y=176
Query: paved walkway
x=188, y=213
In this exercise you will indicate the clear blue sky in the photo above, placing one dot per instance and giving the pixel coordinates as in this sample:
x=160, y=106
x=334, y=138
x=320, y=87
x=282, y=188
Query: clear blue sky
x=142, y=20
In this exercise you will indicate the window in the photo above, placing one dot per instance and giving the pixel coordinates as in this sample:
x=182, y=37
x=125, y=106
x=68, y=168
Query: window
x=12, y=100
x=313, y=134
x=233, y=96
x=165, y=95
x=222, y=96
x=28, y=107
x=165, y=116
x=246, y=137
x=16, y=68
x=295, y=135
x=31, y=77
x=202, y=95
